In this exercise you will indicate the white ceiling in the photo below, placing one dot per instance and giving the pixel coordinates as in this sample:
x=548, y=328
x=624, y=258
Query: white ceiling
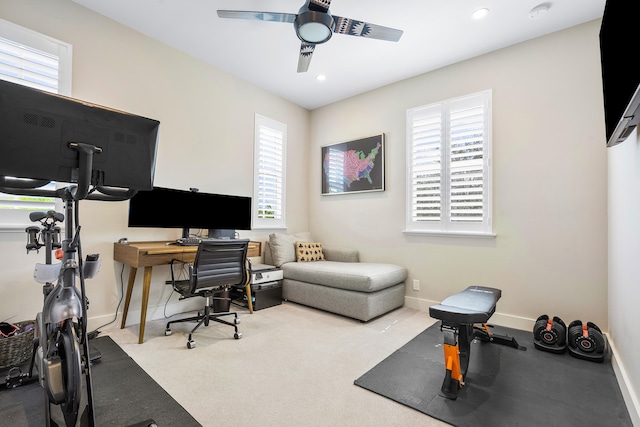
x=436, y=33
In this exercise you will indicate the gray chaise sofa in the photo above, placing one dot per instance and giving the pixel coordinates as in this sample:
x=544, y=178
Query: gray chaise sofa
x=339, y=283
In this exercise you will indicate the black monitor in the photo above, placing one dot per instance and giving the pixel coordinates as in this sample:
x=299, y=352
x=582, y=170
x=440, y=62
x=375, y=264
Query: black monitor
x=40, y=133
x=620, y=76
x=171, y=208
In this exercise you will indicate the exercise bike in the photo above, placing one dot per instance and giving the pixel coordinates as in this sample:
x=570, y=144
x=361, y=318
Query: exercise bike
x=61, y=352
x=57, y=353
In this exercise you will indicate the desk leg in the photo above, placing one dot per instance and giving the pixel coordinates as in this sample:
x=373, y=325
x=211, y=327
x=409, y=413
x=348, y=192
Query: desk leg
x=145, y=302
x=247, y=290
x=132, y=279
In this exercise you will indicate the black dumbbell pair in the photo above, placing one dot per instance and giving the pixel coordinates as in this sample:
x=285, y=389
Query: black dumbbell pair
x=584, y=341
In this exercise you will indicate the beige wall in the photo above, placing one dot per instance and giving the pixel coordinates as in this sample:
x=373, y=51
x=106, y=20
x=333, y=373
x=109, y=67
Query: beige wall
x=549, y=255
x=549, y=175
x=206, y=141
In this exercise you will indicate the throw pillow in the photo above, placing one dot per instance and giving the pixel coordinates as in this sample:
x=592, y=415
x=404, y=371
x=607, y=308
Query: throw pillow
x=309, y=251
x=283, y=246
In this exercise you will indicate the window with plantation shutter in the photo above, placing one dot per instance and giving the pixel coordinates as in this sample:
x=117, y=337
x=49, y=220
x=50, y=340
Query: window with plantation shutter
x=41, y=62
x=269, y=173
x=449, y=167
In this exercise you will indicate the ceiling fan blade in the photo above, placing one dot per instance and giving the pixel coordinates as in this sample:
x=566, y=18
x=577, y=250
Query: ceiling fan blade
x=320, y=5
x=257, y=16
x=306, y=51
x=352, y=27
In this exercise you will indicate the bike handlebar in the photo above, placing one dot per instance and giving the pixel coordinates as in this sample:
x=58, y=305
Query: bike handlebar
x=31, y=187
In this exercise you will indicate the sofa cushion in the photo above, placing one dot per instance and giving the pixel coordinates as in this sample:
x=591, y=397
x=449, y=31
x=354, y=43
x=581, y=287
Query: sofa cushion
x=355, y=276
x=283, y=246
x=309, y=251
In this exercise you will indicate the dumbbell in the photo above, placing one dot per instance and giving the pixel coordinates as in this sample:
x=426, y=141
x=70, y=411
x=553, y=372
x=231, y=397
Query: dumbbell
x=550, y=334
x=586, y=341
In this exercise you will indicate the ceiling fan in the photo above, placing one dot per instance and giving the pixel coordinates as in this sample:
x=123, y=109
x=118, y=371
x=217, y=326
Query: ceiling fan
x=314, y=24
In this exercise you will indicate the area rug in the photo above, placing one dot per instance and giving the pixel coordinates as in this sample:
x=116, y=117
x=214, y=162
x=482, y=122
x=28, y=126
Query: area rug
x=504, y=386
x=124, y=395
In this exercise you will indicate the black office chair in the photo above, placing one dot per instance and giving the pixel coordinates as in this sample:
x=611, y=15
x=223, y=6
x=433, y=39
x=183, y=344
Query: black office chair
x=218, y=266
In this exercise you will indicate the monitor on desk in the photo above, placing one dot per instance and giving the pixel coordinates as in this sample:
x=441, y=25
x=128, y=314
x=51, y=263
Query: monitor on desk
x=163, y=207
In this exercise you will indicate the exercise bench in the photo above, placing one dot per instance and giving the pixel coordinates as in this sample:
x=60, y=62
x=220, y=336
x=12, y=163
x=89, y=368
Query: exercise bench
x=464, y=317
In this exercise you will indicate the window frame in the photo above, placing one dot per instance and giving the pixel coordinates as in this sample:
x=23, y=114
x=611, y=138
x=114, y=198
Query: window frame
x=445, y=226
x=16, y=219
x=258, y=220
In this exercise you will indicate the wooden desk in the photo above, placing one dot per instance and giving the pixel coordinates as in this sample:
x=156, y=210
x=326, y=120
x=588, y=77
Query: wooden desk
x=148, y=254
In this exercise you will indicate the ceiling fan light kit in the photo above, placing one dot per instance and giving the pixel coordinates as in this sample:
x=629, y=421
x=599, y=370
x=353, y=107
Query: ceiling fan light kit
x=315, y=25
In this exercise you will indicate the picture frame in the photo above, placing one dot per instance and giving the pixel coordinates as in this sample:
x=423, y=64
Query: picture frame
x=353, y=166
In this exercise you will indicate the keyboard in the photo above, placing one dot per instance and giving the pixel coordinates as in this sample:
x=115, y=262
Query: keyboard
x=189, y=241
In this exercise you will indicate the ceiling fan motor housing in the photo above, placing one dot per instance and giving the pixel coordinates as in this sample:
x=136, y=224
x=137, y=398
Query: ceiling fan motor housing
x=314, y=27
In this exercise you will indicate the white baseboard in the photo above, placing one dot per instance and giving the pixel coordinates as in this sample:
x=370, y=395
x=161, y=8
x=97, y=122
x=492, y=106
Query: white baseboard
x=630, y=398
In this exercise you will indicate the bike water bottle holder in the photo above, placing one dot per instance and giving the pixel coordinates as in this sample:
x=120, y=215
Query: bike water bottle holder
x=91, y=268
x=49, y=273
x=46, y=273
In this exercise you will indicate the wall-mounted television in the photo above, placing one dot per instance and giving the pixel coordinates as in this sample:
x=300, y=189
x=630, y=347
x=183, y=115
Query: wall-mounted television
x=620, y=76
x=40, y=133
x=172, y=208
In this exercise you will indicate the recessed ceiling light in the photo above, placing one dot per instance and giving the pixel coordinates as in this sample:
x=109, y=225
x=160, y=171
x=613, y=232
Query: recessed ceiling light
x=321, y=77
x=539, y=11
x=480, y=13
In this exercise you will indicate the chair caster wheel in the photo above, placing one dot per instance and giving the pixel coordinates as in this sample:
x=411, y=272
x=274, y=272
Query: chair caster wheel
x=237, y=335
x=191, y=344
x=236, y=320
x=167, y=332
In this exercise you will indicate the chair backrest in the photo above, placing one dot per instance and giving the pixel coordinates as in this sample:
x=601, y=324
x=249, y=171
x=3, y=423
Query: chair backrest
x=220, y=262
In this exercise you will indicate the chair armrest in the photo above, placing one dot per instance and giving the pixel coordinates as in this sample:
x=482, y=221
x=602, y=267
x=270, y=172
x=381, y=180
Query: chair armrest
x=341, y=254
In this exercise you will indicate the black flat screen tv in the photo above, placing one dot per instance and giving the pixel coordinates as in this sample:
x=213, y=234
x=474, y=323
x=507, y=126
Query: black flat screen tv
x=38, y=131
x=171, y=208
x=620, y=76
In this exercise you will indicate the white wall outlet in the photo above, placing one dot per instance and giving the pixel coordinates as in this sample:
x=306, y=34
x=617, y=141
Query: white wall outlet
x=416, y=284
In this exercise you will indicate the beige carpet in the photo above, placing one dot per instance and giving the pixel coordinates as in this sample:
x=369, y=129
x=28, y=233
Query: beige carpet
x=294, y=366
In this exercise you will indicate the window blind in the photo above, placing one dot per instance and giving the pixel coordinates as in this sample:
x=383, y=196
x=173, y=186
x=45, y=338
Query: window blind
x=30, y=67
x=269, y=195
x=466, y=165
x=41, y=62
x=449, y=181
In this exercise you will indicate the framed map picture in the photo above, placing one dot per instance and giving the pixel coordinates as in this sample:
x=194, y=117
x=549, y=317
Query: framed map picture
x=353, y=166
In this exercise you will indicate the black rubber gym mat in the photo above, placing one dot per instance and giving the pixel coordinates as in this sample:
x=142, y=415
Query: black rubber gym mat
x=503, y=386
x=124, y=395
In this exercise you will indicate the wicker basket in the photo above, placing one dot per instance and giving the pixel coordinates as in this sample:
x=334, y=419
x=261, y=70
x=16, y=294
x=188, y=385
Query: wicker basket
x=17, y=348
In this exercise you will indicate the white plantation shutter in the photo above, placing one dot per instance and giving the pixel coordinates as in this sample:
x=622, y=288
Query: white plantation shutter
x=27, y=203
x=449, y=160
x=426, y=164
x=269, y=173
x=41, y=62
x=30, y=67
x=466, y=160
